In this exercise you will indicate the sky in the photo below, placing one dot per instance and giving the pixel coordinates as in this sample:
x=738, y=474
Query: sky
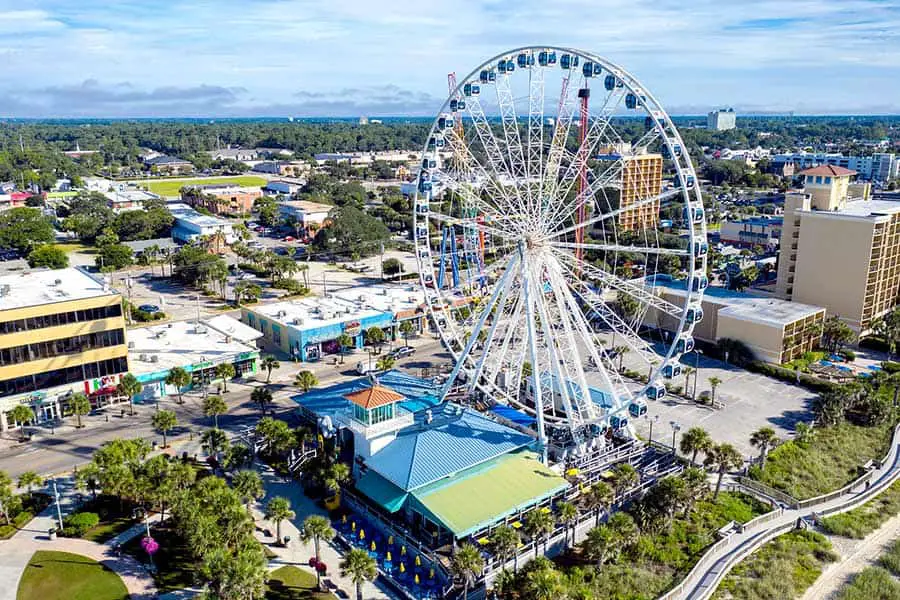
x=324, y=58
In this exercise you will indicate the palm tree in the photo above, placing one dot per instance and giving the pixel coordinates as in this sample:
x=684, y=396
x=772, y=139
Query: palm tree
x=466, y=565
x=714, y=383
x=505, y=543
x=79, y=405
x=624, y=478
x=385, y=363
x=22, y=415
x=696, y=486
x=621, y=351
x=30, y=479
x=225, y=371
x=165, y=421
x=360, y=568
x=213, y=406
x=337, y=474
x=213, y=441
x=566, y=515
x=269, y=363
x=262, y=397
x=544, y=584
x=763, y=438
x=538, y=525
x=723, y=458
x=129, y=386
x=306, y=380
x=626, y=529
x=344, y=341
x=317, y=528
x=598, y=498
x=601, y=544
x=687, y=371
x=375, y=337
x=179, y=378
x=249, y=486
x=695, y=440
x=407, y=329
x=277, y=510
x=88, y=478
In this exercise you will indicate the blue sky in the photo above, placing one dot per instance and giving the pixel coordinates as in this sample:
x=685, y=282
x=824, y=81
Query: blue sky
x=72, y=58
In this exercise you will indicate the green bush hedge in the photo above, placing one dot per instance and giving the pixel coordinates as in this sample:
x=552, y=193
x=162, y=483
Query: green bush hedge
x=291, y=285
x=808, y=381
x=77, y=524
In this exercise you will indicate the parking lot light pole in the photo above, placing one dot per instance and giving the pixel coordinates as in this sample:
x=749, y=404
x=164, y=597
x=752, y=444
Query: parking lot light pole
x=675, y=429
x=651, y=421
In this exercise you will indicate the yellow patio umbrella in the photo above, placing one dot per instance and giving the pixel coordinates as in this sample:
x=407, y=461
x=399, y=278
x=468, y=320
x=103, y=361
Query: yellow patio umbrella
x=418, y=561
x=416, y=579
x=431, y=573
x=402, y=567
x=353, y=526
x=372, y=547
x=402, y=550
x=387, y=556
x=362, y=534
x=344, y=519
x=390, y=540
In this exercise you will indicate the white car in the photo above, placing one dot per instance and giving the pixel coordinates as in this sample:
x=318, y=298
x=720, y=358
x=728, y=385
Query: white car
x=363, y=368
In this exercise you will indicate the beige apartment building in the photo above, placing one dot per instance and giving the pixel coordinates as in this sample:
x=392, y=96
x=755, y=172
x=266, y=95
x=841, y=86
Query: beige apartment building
x=838, y=251
x=776, y=331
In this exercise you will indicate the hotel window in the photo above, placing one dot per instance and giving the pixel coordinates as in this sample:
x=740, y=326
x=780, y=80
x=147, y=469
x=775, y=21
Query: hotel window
x=828, y=180
x=818, y=179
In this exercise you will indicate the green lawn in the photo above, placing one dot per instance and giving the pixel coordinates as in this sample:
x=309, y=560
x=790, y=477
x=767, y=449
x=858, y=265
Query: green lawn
x=292, y=583
x=31, y=504
x=70, y=247
x=830, y=461
x=165, y=187
x=64, y=576
x=860, y=522
x=781, y=570
x=115, y=517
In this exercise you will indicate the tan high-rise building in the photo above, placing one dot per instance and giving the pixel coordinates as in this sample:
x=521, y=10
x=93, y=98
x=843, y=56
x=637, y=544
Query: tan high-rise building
x=641, y=179
x=839, y=252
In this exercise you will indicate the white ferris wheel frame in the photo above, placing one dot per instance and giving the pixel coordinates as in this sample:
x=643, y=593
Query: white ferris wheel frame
x=523, y=155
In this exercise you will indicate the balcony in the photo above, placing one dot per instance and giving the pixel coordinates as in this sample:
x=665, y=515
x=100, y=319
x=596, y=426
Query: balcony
x=404, y=418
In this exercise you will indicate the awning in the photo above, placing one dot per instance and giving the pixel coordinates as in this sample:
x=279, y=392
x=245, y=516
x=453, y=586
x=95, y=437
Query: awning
x=512, y=415
x=381, y=491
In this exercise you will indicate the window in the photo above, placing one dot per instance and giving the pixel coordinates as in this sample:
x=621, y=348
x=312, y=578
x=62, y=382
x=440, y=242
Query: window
x=276, y=334
x=828, y=180
x=57, y=377
x=54, y=320
x=818, y=179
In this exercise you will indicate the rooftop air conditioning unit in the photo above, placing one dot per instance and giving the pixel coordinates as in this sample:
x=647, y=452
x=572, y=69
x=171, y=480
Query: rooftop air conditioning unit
x=362, y=297
x=298, y=321
x=130, y=345
x=142, y=358
x=154, y=359
x=227, y=339
x=384, y=291
x=57, y=282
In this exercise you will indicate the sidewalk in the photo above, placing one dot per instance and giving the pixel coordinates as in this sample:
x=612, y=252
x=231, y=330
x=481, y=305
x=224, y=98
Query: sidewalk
x=18, y=550
x=298, y=553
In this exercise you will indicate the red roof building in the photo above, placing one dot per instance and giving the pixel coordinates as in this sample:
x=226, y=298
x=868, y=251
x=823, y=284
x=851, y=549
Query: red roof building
x=828, y=171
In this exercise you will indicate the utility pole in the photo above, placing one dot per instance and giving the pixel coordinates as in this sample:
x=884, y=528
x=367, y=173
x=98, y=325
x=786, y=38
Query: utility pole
x=382, y=261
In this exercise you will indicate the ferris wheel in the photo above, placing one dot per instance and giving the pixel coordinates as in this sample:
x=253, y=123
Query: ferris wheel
x=554, y=196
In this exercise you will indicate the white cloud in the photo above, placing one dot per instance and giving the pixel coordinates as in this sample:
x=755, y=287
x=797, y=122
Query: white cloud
x=696, y=53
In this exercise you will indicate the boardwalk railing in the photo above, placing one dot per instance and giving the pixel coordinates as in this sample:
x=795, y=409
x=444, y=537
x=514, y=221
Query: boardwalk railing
x=716, y=553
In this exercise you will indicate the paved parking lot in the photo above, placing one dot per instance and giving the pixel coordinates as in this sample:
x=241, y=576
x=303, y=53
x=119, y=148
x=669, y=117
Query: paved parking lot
x=750, y=401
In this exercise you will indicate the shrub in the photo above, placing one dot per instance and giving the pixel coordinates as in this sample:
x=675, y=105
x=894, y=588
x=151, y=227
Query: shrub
x=874, y=343
x=873, y=583
x=291, y=285
x=890, y=366
x=848, y=355
x=891, y=559
x=79, y=523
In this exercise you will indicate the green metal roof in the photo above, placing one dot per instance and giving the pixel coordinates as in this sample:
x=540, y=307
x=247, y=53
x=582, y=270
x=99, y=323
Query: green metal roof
x=476, y=498
x=381, y=491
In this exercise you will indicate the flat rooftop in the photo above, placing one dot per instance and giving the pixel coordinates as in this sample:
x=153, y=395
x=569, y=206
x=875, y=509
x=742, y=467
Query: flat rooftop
x=183, y=212
x=304, y=205
x=179, y=344
x=750, y=307
x=34, y=288
x=343, y=305
x=385, y=298
x=867, y=208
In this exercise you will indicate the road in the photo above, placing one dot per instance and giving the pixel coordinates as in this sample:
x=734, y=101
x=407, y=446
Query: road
x=61, y=450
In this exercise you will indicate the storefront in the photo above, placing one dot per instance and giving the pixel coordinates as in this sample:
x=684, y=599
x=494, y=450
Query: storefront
x=155, y=387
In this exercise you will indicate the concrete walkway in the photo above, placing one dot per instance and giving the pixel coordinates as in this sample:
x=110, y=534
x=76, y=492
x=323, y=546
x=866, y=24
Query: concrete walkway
x=858, y=555
x=298, y=553
x=18, y=550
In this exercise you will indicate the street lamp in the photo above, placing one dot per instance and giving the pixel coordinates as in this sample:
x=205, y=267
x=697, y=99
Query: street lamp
x=697, y=354
x=651, y=420
x=675, y=429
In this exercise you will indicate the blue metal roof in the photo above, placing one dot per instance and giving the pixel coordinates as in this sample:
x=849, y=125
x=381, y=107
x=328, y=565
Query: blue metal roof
x=456, y=439
x=512, y=415
x=420, y=393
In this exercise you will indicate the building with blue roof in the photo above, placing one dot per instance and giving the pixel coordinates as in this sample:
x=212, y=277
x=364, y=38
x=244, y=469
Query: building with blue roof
x=445, y=470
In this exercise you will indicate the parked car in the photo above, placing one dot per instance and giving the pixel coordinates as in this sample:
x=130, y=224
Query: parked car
x=363, y=368
x=402, y=352
x=289, y=238
x=149, y=308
